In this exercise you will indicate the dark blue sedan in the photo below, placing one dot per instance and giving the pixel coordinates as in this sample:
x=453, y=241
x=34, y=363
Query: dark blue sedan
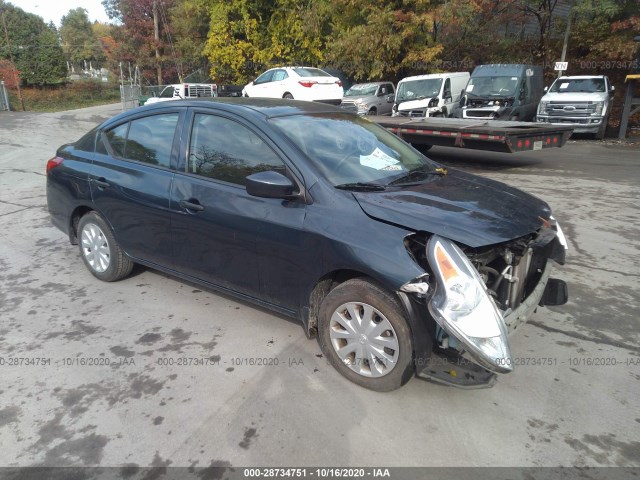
x=397, y=264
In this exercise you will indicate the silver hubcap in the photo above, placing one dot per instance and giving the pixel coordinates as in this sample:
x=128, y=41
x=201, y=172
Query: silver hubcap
x=95, y=247
x=364, y=339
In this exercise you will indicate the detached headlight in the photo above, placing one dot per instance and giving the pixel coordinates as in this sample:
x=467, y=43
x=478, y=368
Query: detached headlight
x=542, y=107
x=560, y=234
x=463, y=308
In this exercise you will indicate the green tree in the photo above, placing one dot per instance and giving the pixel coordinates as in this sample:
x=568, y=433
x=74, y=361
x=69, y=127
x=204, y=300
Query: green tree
x=249, y=36
x=47, y=60
x=78, y=39
x=377, y=41
x=34, y=46
x=190, y=22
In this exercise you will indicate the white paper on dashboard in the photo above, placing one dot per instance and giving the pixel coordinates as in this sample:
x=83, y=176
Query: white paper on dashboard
x=380, y=161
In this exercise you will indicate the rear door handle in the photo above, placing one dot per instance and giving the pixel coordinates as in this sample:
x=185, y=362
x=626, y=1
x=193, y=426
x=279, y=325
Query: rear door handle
x=101, y=182
x=191, y=205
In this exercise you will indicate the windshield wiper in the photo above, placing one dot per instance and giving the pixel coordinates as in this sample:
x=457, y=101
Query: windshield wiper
x=364, y=186
x=417, y=174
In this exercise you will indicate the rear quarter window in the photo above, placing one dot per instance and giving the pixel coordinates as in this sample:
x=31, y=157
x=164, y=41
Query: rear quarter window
x=88, y=142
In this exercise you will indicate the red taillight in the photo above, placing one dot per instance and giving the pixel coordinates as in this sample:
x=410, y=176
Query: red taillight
x=307, y=83
x=53, y=163
x=339, y=83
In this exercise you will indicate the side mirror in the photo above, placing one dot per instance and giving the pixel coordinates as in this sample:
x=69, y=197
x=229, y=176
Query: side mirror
x=390, y=98
x=612, y=90
x=462, y=98
x=270, y=184
x=545, y=89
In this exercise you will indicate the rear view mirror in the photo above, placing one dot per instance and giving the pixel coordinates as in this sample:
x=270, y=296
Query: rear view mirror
x=270, y=184
x=390, y=98
x=612, y=90
x=462, y=98
x=545, y=89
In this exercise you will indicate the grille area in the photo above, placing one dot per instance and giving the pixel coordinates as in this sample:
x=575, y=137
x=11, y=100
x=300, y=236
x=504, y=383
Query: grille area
x=418, y=112
x=574, y=109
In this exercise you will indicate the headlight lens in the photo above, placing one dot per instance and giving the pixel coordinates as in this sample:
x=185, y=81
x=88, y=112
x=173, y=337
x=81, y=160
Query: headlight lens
x=542, y=107
x=463, y=308
x=560, y=234
x=599, y=106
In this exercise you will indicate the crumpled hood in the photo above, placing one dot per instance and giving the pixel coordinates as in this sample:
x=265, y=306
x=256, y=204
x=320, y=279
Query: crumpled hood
x=468, y=209
x=423, y=103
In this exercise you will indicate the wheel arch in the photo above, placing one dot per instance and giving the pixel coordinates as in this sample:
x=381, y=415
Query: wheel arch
x=421, y=325
x=76, y=215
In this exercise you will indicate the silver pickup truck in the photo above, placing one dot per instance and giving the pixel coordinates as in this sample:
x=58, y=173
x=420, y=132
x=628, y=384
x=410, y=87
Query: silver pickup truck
x=374, y=98
x=583, y=102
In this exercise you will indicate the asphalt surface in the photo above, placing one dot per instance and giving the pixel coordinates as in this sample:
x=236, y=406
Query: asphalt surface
x=103, y=374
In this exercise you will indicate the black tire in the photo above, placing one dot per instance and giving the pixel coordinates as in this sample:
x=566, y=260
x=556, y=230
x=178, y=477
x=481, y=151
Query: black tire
x=372, y=111
x=599, y=135
x=367, y=292
x=288, y=96
x=118, y=265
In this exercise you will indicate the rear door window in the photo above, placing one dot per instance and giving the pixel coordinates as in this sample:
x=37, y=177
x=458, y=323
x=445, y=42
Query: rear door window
x=147, y=140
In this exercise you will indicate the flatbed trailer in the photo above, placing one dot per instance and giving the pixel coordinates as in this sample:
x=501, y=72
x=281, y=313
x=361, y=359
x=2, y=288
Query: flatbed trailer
x=493, y=135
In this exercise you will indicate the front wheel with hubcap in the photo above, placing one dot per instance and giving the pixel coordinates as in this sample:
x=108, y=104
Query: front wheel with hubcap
x=99, y=250
x=363, y=332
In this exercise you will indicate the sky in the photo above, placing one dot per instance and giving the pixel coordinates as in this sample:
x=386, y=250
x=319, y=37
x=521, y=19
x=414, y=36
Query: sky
x=54, y=10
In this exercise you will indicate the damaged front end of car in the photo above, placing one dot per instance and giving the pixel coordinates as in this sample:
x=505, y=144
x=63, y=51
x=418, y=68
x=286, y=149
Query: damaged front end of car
x=477, y=297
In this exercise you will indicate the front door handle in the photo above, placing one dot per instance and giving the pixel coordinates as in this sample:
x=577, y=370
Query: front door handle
x=191, y=204
x=101, y=182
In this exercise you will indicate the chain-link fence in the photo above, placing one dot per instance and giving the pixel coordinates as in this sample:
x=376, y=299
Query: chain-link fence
x=129, y=96
x=4, y=97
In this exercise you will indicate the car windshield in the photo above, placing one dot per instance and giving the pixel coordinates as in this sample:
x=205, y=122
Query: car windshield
x=348, y=149
x=418, y=89
x=361, y=90
x=503, y=86
x=588, y=85
x=310, y=72
x=167, y=92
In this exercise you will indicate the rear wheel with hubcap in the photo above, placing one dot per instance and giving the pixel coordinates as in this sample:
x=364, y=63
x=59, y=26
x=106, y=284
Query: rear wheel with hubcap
x=100, y=252
x=363, y=332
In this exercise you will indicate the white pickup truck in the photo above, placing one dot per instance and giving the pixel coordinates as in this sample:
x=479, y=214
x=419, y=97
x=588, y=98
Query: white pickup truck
x=583, y=102
x=185, y=90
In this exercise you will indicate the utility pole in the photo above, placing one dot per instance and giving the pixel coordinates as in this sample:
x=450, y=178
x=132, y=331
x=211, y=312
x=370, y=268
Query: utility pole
x=156, y=34
x=566, y=36
x=13, y=65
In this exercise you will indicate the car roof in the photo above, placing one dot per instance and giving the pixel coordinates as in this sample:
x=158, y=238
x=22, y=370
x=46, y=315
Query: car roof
x=371, y=83
x=434, y=75
x=580, y=77
x=267, y=107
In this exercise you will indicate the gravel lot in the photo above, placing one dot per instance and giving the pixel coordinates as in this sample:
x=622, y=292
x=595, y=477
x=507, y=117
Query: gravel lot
x=140, y=406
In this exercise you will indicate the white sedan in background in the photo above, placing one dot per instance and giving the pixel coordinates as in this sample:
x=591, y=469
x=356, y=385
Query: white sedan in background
x=300, y=83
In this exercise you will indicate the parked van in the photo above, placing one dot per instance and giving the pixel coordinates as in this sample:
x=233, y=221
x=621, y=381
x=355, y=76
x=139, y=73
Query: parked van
x=433, y=95
x=184, y=90
x=503, y=92
x=582, y=101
